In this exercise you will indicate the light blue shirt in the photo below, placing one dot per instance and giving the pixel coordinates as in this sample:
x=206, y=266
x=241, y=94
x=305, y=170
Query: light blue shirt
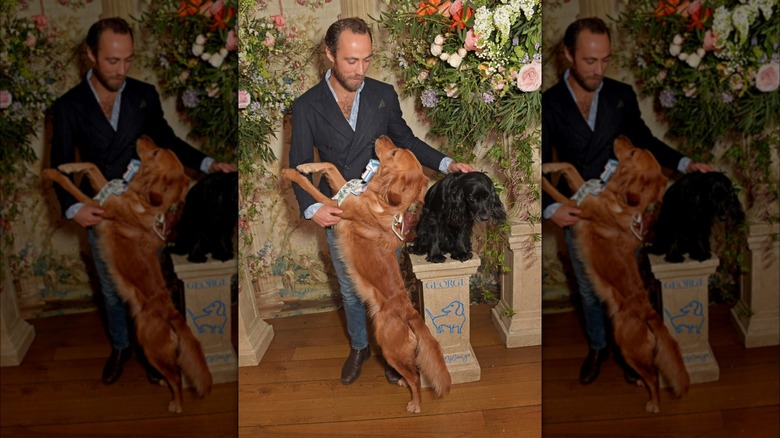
x=353, y=115
x=591, y=121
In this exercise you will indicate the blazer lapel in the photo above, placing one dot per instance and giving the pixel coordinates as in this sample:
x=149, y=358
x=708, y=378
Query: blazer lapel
x=369, y=109
x=92, y=111
x=329, y=110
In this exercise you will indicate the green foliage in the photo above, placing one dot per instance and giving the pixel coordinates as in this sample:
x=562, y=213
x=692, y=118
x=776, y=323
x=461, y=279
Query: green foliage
x=192, y=49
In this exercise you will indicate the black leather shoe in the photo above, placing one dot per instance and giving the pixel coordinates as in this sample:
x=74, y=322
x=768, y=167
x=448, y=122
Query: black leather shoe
x=591, y=366
x=392, y=375
x=115, y=364
x=351, y=369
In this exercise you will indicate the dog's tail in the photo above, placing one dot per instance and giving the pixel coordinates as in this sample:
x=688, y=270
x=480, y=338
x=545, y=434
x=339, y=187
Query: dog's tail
x=430, y=359
x=190, y=357
x=667, y=356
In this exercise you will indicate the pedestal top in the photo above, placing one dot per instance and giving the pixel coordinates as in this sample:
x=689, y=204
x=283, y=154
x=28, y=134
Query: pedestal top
x=185, y=268
x=450, y=268
x=688, y=266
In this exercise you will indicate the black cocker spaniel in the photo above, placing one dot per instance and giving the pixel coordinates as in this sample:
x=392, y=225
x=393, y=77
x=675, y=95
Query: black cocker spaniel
x=209, y=221
x=452, y=205
x=690, y=208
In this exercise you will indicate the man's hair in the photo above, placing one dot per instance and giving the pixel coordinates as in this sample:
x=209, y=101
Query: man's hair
x=115, y=24
x=353, y=24
x=593, y=24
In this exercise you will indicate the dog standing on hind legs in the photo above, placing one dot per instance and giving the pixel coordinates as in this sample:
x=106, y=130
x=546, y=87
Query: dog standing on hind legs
x=130, y=236
x=368, y=236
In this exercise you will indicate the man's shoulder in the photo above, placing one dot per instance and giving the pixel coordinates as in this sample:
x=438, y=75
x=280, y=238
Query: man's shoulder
x=139, y=86
x=615, y=86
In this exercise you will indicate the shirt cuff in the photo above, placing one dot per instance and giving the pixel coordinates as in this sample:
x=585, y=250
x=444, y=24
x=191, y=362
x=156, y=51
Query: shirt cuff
x=309, y=213
x=445, y=164
x=550, y=210
x=73, y=210
x=682, y=166
x=205, y=164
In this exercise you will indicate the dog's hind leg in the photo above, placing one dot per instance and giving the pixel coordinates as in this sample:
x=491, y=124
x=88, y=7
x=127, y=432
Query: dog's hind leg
x=160, y=344
x=398, y=344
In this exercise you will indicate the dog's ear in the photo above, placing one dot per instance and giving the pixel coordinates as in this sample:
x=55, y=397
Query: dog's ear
x=455, y=208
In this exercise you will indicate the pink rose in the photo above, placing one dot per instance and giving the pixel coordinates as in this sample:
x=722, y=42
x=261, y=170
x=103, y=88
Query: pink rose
x=768, y=77
x=5, y=99
x=31, y=40
x=279, y=21
x=232, y=42
x=471, y=40
x=530, y=77
x=694, y=8
x=269, y=40
x=217, y=7
x=243, y=99
x=40, y=21
x=710, y=39
x=456, y=7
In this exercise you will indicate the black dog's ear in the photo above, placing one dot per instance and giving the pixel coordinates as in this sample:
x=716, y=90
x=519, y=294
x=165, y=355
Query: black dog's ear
x=455, y=209
x=497, y=211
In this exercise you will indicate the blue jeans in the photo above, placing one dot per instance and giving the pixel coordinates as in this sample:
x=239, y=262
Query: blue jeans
x=116, y=311
x=354, y=309
x=592, y=308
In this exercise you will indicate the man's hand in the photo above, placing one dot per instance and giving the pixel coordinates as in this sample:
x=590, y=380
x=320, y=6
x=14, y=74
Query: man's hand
x=88, y=216
x=222, y=167
x=327, y=216
x=459, y=167
x=566, y=215
x=698, y=167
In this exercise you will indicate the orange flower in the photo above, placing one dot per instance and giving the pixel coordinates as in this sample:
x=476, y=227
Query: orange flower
x=698, y=19
x=221, y=18
x=459, y=20
x=669, y=7
x=192, y=7
x=430, y=7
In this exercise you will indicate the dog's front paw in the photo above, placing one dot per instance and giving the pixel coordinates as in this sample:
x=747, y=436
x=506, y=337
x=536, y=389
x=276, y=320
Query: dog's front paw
x=700, y=256
x=69, y=167
x=307, y=168
x=413, y=407
x=652, y=407
x=674, y=257
x=435, y=258
x=462, y=256
x=174, y=408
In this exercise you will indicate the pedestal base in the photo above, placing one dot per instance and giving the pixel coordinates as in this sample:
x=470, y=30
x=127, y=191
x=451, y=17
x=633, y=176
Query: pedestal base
x=16, y=334
x=444, y=299
x=207, y=299
x=254, y=334
x=686, y=312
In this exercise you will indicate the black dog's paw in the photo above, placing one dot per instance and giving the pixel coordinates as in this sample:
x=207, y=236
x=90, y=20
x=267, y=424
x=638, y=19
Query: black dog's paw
x=700, y=256
x=435, y=258
x=673, y=257
x=462, y=256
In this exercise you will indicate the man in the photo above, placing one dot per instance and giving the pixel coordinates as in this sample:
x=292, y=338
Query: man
x=581, y=116
x=103, y=116
x=341, y=117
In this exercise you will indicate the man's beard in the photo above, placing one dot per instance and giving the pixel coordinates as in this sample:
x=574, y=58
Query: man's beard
x=104, y=81
x=345, y=81
x=583, y=83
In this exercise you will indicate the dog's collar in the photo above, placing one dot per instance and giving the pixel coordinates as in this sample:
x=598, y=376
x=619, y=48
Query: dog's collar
x=638, y=227
x=118, y=186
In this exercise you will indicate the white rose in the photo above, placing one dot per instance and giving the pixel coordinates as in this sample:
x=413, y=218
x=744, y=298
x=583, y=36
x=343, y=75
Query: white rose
x=678, y=39
x=223, y=52
x=683, y=56
x=439, y=40
x=693, y=60
x=436, y=49
x=444, y=56
x=700, y=51
x=200, y=40
x=462, y=52
x=205, y=56
x=454, y=60
x=216, y=60
x=674, y=49
x=197, y=49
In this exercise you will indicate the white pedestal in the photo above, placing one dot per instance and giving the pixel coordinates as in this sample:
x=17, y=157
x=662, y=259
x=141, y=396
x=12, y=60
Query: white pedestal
x=757, y=314
x=518, y=316
x=207, y=299
x=686, y=312
x=254, y=334
x=444, y=298
x=16, y=335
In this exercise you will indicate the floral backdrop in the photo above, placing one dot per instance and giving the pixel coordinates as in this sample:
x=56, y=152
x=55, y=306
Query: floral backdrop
x=713, y=69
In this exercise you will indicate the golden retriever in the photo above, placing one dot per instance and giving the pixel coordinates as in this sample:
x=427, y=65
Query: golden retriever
x=368, y=236
x=607, y=235
x=130, y=237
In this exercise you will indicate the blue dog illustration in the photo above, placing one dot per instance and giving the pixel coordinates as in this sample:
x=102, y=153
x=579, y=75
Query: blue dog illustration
x=213, y=318
x=690, y=317
x=452, y=317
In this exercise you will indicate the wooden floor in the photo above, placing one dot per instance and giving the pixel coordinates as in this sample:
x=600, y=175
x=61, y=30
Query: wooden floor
x=296, y=388
x=744, y=402
x=57, y=391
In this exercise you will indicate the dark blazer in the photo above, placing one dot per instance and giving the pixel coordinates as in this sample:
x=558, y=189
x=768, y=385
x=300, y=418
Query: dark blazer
x=79, y=123
x=565, y=131
x=317, y=122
